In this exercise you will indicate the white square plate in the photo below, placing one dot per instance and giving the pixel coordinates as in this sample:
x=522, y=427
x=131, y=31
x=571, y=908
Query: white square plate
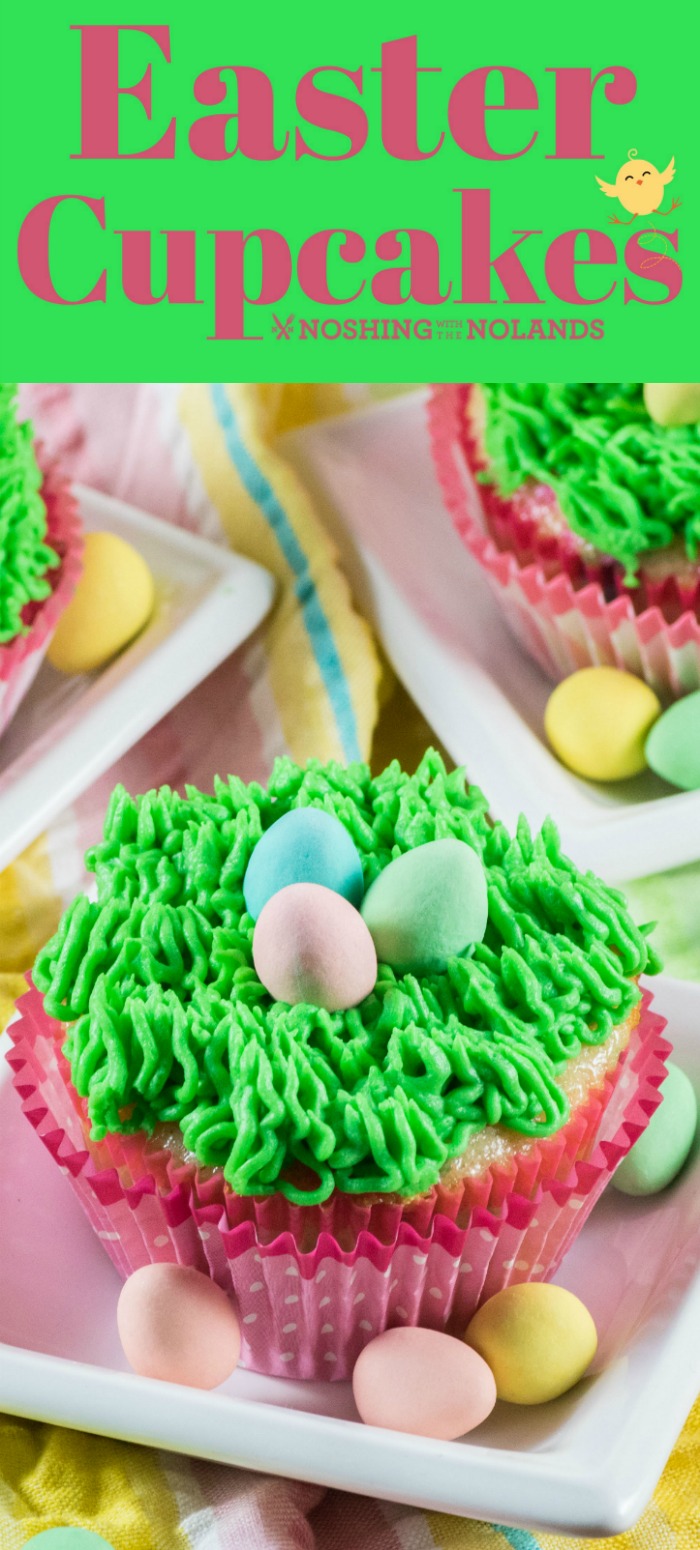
x=373, y=474
x=585, y=1464
x=68, y=731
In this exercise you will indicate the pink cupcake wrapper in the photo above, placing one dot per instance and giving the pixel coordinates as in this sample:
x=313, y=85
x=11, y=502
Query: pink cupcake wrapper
x=21, y=658
x=309, y=1314
x=564, y=627
x=139, y=1161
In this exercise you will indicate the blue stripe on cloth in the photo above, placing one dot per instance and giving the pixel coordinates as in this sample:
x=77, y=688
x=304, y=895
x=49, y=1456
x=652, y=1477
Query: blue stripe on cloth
x=517, y=1538
x=318, y=628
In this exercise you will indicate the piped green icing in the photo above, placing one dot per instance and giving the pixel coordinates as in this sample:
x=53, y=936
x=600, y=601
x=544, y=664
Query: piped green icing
x=169, y=1022
x=25, y=557
x=625, y=484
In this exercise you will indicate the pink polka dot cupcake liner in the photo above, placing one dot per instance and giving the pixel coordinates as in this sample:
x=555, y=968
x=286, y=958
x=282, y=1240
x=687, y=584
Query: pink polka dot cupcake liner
x=314, y=1284
x=21, y=658
x=555, y=601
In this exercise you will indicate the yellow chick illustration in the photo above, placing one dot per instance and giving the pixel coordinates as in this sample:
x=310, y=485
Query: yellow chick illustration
x=639, y=186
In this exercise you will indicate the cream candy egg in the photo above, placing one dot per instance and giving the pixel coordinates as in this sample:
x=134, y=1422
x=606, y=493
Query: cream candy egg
x=597, y=722
x=537, y=1339
x=111, y=604
x=423, y=1382
x=310, y=945
x=177, y=1325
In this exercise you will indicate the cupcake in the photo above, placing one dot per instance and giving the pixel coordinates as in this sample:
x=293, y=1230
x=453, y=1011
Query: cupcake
x=39, y=555
x=339, y=1171
x=582, y=509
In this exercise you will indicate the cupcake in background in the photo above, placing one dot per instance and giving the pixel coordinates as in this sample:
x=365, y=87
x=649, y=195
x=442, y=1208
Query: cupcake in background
x=584, y=516
x=40, y=548
x=393, y=1161
x=578, y=476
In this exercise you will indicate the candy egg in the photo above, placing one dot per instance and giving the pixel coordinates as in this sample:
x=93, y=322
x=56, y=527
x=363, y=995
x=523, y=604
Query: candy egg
x=673, y=403
x=111, y=604
x=311, y=945
x=417, y=1380
x=306, y=845
x=673, y=745
x=538, y=1341
x=597, y=722
x=427, y=906
x=663, y=1147
x=177, y=1325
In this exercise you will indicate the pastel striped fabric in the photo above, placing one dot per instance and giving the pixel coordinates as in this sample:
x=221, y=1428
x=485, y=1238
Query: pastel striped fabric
x=204, y=456
x=139, y=1499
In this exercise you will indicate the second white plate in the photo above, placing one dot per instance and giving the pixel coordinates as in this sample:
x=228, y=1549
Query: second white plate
x=372, y=473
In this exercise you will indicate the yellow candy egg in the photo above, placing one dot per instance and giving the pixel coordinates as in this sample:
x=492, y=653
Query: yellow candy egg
x=538, y=1341
x=673, y=403
x=597, y=722
x=111, y=604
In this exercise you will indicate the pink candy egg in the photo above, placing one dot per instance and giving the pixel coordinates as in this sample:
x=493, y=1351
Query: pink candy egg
x=177, y=1325
x=311, y=945
x=416, y=1380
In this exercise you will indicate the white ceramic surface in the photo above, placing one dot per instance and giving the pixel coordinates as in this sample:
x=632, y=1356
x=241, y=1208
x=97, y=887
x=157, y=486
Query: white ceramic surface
x=69, y=730
x=584, y=1464
x=373, y=475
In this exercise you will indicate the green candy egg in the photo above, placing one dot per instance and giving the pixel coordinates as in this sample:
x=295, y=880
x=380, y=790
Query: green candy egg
x=427, y=906
x=672, y=748
x=663, y=1147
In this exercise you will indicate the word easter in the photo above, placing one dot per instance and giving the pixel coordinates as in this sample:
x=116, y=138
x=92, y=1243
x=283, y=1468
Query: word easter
x=334, y=266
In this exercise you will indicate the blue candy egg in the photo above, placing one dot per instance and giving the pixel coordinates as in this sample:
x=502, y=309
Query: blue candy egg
x=307, y=845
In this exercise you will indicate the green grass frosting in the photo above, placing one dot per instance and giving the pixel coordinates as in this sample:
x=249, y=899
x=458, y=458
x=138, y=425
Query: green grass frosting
x=25, y=557
x=170, y=1023
x=624, y=484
